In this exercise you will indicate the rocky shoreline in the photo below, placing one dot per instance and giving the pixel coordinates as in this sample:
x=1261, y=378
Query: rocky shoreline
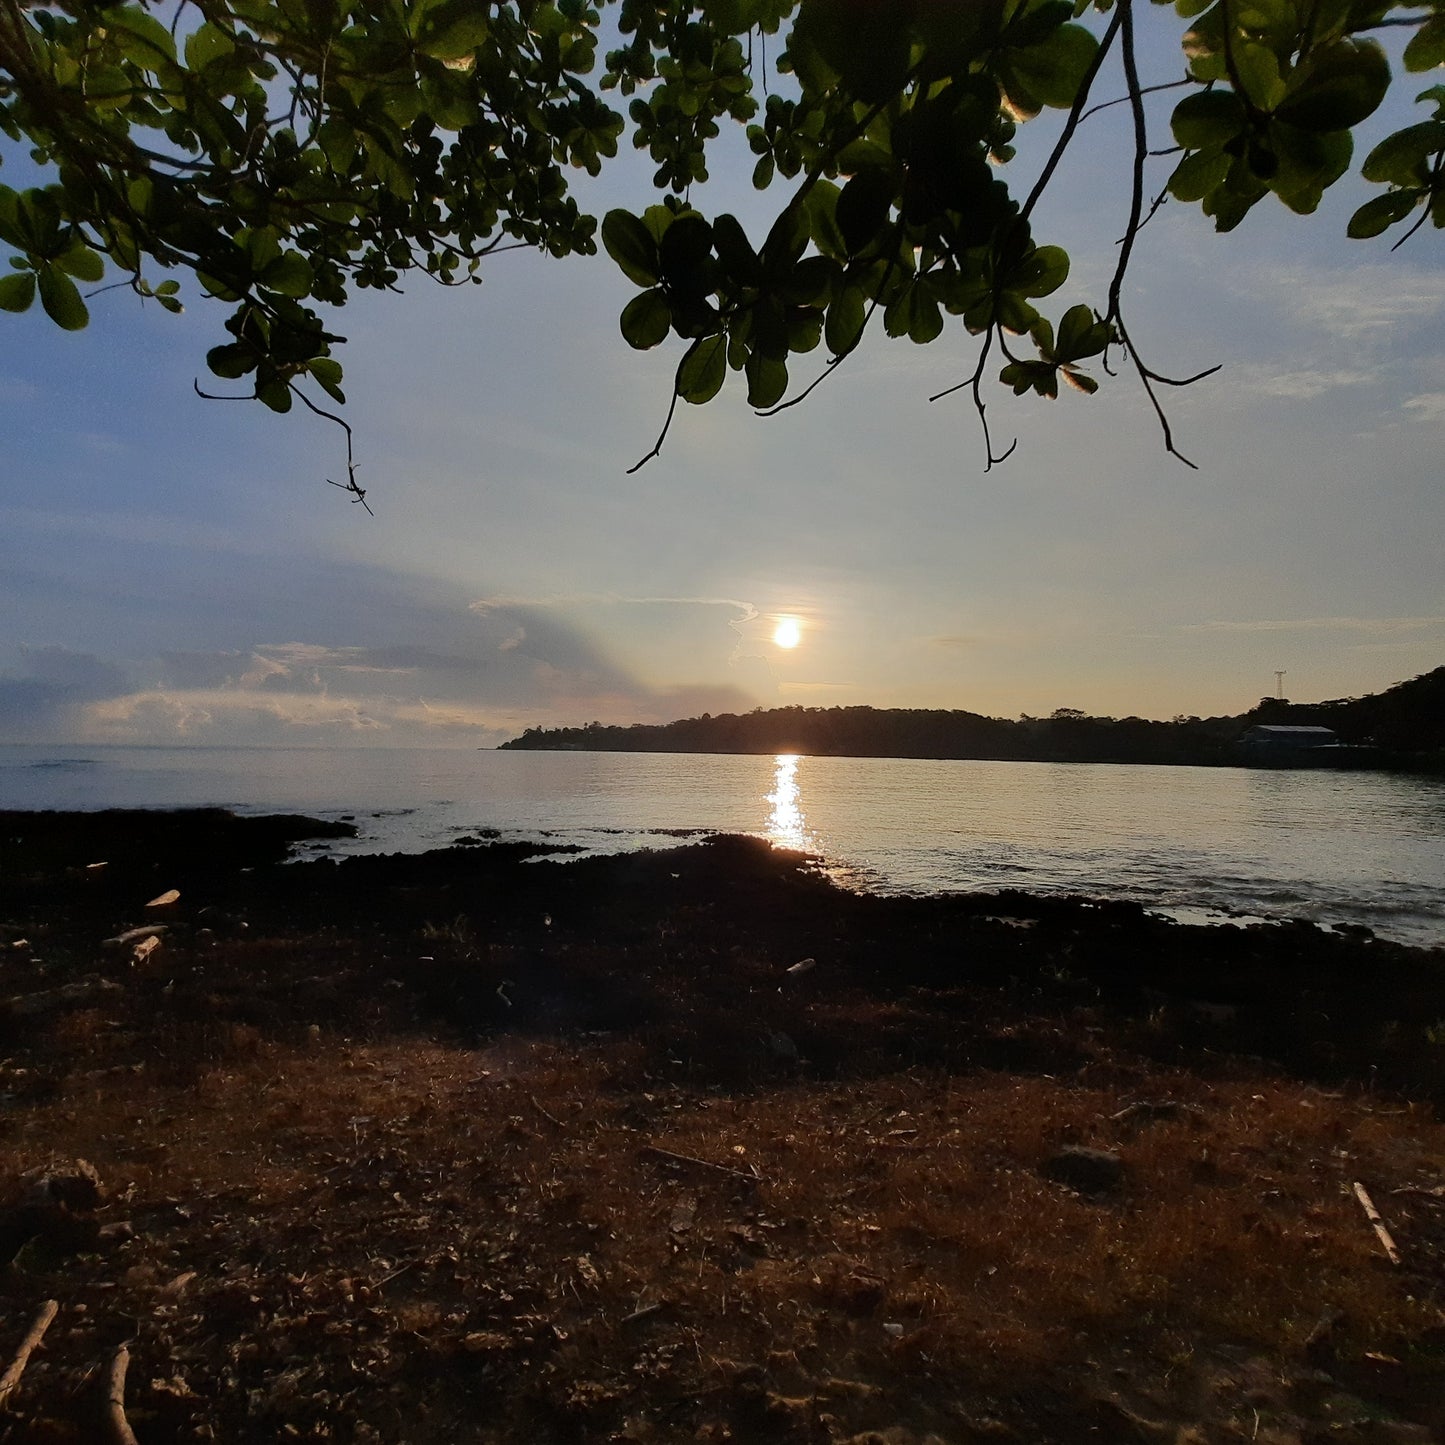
x=483, y=1145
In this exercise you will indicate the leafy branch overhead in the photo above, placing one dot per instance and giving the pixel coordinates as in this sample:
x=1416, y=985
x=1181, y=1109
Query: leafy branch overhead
x=283, y=153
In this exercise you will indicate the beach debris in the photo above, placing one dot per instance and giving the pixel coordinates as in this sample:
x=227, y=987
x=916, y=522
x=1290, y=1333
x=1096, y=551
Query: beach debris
x=549, y=1117
x=1378, y=1224
x=144, y=949
x=96, y=867
x=164, y=900
x=1145, y=1110
x=177, y=1286
x=655, y=1151
x=38, y=1326
x=75, y=1186
x=803, y=965
x=505, y=984
x=120, y=1429
x=684, y=1214
x=893, y=1330
x=28, y=1005
x=1090, y=1171
x=133, y=936
x=20, y=945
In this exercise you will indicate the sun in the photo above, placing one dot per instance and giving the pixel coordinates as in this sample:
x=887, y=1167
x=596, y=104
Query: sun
x=788, y=633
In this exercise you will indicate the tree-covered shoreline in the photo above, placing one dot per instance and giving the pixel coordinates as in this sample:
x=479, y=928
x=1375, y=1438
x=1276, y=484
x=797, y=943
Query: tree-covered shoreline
x=1403, y=726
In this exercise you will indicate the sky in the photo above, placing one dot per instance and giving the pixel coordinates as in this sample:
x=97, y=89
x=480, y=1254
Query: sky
x=176, y=570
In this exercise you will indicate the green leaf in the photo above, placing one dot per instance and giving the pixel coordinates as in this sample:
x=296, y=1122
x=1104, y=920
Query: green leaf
x=142, y=39
x=845, y=321
x=17, y=291
x=685, y=246
x=1382, y=212
x=1053, y=71
x=735, y=252
x=646, y=319
x=1426, y=49
x=276, y=394
x=207, y=44
x=863, y=207
x=767, y=380
x=1403, y=159
x=1207, y=118
x=231, y=361
x=288, y=275
x=1040, y=273
x=61, y=300
x=1308, y=163
x=328, y=373
x=453, y=29
x=632, y=246
x=703, y=370
x=1336, y=86
x=1258, y=71
x=1080, y=335
x=812, y=282
x=1198, y=174
x=823, y=220
x=81, y=262
x=1079, y=380
x=787, y=241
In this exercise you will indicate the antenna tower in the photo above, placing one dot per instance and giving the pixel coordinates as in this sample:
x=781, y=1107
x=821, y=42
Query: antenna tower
x=1279, y=683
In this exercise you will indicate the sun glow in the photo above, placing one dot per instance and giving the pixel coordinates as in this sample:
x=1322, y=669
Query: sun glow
x=788, y=632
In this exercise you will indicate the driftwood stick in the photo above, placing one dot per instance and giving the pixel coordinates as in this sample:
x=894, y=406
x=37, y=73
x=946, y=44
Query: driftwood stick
x=659, y=1153
x=1373, y=1215
x=33, y=1336
x=120, y=1429
x=548, y=1116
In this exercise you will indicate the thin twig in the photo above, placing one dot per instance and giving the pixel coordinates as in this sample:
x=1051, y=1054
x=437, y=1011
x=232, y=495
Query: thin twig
x=658, y=1152
x=1075, y=112
x=350, y=484
x=33, y=1336
x=1147, y=90
x=1373, y=1215
x=662, y=435
x=549, y=1117
x=975, y=382
x=115, y=1399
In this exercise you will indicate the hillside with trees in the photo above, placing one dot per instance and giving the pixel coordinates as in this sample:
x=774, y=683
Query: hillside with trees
x=1403, y=726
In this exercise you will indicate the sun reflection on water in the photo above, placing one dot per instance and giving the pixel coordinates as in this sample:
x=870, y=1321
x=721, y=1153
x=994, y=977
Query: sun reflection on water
x=786, y=825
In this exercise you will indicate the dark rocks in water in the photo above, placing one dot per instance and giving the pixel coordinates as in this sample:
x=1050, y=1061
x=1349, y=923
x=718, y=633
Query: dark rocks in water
x=1090, y=1171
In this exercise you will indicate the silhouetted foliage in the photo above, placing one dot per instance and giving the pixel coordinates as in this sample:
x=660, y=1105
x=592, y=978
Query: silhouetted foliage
x=285, y=154
x=1406, y=724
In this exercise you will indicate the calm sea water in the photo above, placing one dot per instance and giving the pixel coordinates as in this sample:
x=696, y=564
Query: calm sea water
x=1195, y=842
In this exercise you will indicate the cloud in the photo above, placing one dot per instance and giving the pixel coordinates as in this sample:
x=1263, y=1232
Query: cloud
x=41, y=700
x=1354, y=302
x=1320, y=624
x=562, y=600
x=1301, y=385
x=1428, y=407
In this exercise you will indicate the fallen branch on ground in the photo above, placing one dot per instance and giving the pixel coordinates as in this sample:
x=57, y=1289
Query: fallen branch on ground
x=115, y=1399
x=33, y=1336
x=1373, y=1215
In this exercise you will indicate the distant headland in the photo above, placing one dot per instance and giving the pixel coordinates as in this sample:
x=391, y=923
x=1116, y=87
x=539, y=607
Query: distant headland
x=1402, y=727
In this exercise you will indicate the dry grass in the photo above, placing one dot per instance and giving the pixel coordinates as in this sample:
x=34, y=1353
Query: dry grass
x=492, y=1216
